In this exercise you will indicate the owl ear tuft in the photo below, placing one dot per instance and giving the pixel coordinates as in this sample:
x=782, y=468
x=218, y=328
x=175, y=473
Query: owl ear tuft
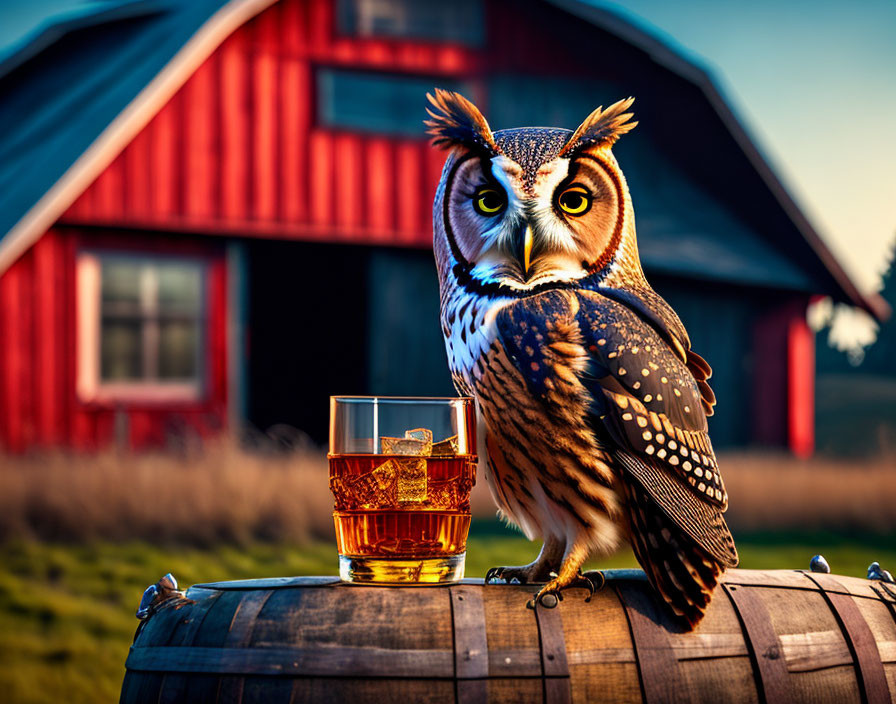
x=602, y=127
x=455, y=121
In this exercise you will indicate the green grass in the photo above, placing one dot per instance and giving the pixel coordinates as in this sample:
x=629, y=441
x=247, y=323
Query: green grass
x=66, y=611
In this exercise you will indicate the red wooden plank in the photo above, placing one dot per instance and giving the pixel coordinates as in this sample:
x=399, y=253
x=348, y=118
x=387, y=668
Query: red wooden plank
x=451, y=59
x=380, y=183
x=408, y=172
x=162, y=162
x=344, y=50
x=264, y=135
x=375, y=52
x=109, y=191
x=200, y=142
x=265, y=30
x=320, y=24
x=142, y=427
x=80, y=209
x=234, y=123
x=801, y=387
x=137, y=184
x=293, y=27
x=295, y=121
x=11, y=358
x=68, y=315
x=320, y=177
x=349, y=195
x=46, y=339
x=27, y=331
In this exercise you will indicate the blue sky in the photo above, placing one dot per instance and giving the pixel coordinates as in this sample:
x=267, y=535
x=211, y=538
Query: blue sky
x=815, y=84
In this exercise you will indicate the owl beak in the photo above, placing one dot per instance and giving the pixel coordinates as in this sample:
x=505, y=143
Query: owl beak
x=527, y=249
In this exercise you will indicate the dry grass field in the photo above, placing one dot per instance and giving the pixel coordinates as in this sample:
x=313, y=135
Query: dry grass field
x=227, y=494
x=82, y=536
x=220, y=494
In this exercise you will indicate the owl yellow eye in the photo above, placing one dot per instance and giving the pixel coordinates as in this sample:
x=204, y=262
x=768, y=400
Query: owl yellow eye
x=489, y=201
x=575, y=200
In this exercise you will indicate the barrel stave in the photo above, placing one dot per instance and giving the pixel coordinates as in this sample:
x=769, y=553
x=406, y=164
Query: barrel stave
x=806, y=613
x=215, y=626
x=713, y=662
x=359, y=617
x=514, y=650
x=599, y=648
x=505, y=690
x=512, y=632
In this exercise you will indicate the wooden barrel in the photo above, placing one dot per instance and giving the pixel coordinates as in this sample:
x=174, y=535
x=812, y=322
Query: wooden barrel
x=774, y=636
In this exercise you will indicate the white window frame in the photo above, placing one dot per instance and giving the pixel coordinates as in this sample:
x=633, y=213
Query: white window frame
x=90, y=385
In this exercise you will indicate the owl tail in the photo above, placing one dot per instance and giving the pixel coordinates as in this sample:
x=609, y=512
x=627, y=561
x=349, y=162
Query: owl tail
x=681, y=572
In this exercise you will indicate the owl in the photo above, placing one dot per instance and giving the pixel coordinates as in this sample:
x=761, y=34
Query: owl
x=593, y=404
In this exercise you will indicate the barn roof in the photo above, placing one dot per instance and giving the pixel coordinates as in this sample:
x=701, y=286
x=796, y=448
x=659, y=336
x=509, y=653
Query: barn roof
x=80, y=85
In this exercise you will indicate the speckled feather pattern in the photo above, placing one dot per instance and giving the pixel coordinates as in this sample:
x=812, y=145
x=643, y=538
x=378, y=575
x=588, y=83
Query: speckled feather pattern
x=594, y=407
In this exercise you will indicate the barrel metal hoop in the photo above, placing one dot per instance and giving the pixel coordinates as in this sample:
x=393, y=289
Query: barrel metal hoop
x=361, y=661
x=859, y=638
x=554, y=663
x=657, y=665
x=470, y=644
x=766, y=650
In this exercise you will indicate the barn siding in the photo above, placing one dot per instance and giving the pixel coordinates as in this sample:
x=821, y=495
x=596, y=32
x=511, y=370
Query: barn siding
x=38, y=403
x=237, y=149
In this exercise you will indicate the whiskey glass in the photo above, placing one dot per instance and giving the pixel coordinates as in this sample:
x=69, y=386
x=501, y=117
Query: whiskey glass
x=401, y=471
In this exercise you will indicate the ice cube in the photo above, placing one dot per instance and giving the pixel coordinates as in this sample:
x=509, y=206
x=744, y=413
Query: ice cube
x=385, y=475
x=446, y=448
x=424, y=434
x=374, y=489
x=405, y=446
x=359, y=492
x=411, y=480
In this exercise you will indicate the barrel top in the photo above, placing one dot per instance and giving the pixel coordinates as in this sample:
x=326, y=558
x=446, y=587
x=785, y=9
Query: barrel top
x=324, y=581
x=788, y=579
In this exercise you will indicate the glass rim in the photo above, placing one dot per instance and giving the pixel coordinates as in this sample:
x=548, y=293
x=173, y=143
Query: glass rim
x=420, y=399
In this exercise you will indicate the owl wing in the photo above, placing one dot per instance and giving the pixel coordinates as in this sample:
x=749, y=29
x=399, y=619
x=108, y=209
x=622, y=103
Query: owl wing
x=645, y=405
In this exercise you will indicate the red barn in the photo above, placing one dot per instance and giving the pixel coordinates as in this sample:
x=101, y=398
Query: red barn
x=216, y=213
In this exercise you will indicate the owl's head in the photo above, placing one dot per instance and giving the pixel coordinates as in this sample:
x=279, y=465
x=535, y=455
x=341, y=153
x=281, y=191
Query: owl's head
x=520, y=210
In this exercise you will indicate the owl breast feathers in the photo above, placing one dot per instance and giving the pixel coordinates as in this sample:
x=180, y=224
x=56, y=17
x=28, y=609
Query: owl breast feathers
x=593, y=403
x=622, y=435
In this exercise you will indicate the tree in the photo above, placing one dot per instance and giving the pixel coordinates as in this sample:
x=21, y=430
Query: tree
x=880, y=357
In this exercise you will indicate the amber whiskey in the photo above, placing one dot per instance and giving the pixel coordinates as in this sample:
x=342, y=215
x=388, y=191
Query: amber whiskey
x=402, y=517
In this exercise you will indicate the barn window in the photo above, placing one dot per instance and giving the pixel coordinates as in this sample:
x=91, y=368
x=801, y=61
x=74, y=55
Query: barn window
x=140, y=326
x=461, y=21
x=370, y=102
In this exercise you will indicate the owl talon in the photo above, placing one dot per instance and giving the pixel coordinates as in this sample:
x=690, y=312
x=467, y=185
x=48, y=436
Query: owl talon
x=597, y=579
x=593, y=581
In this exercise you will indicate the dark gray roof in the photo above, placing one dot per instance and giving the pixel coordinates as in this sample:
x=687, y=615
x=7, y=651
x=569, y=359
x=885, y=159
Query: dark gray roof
x=63, y=84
